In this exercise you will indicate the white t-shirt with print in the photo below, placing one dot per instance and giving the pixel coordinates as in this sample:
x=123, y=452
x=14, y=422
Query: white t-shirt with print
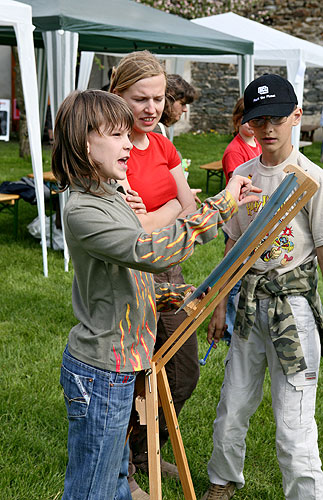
x=297, y=242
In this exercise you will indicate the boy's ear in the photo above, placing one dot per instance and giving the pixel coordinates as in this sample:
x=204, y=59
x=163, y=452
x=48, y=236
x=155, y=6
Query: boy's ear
x=297, y=116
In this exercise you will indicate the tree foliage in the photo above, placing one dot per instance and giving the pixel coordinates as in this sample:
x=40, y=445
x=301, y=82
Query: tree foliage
x=191, y=9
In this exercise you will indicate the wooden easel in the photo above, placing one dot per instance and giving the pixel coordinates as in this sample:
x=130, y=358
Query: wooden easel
x=156, y=384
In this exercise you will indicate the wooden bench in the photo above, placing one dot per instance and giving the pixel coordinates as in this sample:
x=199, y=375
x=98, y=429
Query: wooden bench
x=307, y=132
x=213, y=169
x=10, y=202
x=51, y=179
x=304, y=144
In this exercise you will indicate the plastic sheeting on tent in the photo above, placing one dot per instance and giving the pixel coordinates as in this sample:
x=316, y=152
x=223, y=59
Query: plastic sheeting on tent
x=271, y=48
x=18, y=15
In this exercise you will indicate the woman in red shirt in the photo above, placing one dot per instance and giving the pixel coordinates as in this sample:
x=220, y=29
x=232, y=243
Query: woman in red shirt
x=155, y=172
x=154, y=168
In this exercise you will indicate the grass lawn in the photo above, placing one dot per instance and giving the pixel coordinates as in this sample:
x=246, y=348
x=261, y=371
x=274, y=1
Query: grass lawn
x=35, y=318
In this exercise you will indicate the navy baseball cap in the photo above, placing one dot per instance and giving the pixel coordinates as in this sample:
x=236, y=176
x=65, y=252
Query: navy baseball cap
x=268, y=95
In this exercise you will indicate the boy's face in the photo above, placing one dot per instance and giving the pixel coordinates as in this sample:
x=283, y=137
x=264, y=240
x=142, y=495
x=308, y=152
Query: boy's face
x=146, y=99
x=275, y=139
x=111, y=151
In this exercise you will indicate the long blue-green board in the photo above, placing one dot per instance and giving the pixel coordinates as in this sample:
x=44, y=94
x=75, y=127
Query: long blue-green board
x=275, y=201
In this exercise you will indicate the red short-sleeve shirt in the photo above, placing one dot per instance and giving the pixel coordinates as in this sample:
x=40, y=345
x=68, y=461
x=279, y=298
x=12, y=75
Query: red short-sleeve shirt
x=238, y=152
x=149, y=173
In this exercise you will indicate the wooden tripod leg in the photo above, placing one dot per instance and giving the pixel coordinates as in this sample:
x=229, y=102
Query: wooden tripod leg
x=153, y=434
x=175, y=435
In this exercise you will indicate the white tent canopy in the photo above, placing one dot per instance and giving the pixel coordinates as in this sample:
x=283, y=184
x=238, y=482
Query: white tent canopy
x=271, y=48
x=18, y=15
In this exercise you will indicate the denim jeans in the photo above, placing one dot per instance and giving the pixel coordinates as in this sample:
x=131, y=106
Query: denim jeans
x=232, y=304
x=98, y=404
x=232, y=310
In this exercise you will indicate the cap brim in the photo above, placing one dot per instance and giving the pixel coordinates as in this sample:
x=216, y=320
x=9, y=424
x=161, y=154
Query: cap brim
x=269, y=110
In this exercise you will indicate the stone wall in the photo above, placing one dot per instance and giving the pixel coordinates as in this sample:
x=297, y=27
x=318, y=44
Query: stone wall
x=218, y=84
x=218, y=87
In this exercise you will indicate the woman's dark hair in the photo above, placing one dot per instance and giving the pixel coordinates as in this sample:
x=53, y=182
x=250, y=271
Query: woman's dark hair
x=177, y=89
x=78, y=115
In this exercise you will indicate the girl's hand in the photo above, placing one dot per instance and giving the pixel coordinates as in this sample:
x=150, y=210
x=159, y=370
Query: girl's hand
x=240, y=187
x=194, y=192
x=135, y=202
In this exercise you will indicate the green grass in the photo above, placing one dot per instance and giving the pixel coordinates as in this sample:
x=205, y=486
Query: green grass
x=35, y=318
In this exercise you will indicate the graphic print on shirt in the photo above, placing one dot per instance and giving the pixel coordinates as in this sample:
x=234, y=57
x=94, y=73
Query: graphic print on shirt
x=255, y=206
x=282, y=245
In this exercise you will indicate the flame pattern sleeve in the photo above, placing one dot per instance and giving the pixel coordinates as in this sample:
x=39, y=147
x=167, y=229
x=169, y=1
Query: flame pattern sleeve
x=170, y=295
x=171, y=245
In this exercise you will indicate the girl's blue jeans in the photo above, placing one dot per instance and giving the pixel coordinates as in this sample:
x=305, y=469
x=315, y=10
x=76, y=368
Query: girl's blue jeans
x=98, y=404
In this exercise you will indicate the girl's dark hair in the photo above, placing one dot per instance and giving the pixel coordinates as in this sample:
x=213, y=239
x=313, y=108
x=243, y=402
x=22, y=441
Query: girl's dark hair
x=78, y=115
x=237, y=114
x=177, y=89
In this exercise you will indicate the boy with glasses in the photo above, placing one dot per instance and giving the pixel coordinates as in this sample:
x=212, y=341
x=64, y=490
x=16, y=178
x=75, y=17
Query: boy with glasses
x=279, y=319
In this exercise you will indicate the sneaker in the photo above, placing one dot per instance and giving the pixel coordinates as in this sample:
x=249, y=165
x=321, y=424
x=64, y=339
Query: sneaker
x=142, y=466
x=218, y=492
x=139, y=494
x=169, y=470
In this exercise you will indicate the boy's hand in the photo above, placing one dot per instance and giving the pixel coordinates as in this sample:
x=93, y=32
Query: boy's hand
x=135, y=202
x=240, y=187
x=217, y=325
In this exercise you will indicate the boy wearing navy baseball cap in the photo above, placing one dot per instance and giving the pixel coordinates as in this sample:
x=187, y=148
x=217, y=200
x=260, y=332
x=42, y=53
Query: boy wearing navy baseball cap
x=285, y=320
x=269, y=95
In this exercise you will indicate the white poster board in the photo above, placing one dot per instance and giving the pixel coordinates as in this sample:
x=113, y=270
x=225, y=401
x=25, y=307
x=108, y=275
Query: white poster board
x=4, y=119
